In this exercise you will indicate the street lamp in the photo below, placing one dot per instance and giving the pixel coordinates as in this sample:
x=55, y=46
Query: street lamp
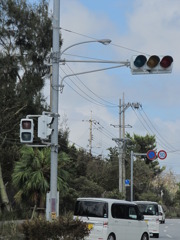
x=52, y=199
x=103, y=41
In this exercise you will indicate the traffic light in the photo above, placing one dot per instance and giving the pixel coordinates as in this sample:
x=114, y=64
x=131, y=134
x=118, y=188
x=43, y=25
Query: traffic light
x=142, y=64
x=44, y=124
x=26, y=130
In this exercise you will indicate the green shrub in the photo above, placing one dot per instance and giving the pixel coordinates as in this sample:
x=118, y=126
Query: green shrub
x=10, y=230
x=62, y=229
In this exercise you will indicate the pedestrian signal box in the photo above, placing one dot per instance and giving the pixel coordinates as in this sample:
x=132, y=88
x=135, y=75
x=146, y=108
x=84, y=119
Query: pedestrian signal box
x=26, y=130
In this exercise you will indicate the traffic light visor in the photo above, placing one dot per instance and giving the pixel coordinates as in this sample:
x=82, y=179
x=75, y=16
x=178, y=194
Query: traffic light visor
x=140, y=61
x=153, y=61
x=26, y=124
x=166, y=61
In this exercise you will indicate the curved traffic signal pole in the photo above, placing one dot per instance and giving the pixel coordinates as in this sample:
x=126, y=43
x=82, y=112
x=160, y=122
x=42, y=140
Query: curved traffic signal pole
x=92, y=71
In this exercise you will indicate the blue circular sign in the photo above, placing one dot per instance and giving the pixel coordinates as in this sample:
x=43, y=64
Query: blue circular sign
x=151, y=154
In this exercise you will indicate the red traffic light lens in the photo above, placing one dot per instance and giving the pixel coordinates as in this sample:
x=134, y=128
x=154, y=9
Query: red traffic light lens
x=140, y=61
x=166, y=61
x=153, y=61
x=26, y=124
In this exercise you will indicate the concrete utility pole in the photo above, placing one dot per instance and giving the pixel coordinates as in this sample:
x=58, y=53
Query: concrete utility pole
x=53, y=201
x=121, y=142
x=123, y=147
x=91, y=121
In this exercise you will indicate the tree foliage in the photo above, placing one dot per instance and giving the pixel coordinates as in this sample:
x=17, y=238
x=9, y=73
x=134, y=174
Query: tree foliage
x=25, y=42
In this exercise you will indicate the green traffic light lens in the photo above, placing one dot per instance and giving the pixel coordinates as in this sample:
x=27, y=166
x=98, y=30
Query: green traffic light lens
x=26, y=136
x=140, y=61
x=166, y=61
x=153, y=61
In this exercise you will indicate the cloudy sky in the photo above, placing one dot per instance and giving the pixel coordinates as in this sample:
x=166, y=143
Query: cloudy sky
x=135, y=27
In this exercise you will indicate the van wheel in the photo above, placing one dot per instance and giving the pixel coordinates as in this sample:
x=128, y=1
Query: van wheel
x=111, y=237
x=145, y=237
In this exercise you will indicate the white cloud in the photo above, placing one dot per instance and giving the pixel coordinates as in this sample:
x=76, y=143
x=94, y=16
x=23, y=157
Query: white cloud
x=153, y=27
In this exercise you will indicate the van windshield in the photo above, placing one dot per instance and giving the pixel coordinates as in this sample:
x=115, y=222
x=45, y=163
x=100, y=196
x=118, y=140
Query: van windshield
x=148, y=208
x=91, y=209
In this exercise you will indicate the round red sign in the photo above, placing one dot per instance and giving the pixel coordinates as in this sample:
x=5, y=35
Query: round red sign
x=162, y=154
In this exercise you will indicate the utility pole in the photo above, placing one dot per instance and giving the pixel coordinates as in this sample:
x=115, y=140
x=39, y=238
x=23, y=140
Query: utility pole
x=123, y=147
x=91, y=121
x=52, y=202
x=120, y=145
x=121, y=142
x=90, y=135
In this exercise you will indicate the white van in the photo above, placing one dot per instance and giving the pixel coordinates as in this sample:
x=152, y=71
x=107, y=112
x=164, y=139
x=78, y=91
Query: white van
x=151, y=216
x=111, y=219
x=161, y=214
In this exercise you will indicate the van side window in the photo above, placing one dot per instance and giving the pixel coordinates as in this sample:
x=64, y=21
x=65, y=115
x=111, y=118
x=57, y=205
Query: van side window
x=118, y=211
x=91, y=209
x=132, y=213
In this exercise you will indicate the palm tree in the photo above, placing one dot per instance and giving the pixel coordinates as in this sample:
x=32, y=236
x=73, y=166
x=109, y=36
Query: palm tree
x=31, y=175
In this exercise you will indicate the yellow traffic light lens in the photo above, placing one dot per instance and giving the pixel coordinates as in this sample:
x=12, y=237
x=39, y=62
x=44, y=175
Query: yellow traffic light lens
x=140, y=61
x=153, y=61
x=166, y=61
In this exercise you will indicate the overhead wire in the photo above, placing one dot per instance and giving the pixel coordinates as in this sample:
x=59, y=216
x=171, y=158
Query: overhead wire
x=154, y=133
x=113, y=105
x=86, y=97
x=150, y=132
x=173, y=149
x=93, y=38
x=107, y=132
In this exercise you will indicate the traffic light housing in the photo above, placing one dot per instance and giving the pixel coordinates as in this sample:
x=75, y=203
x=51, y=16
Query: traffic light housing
x=26, y=130
x=142, y=64
x=44, y=127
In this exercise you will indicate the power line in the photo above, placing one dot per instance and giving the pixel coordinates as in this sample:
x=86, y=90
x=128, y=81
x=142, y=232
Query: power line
x=144, y=120
x=158, y=131
x=113, y=105
x=86, y=97
x=91, y=99
x=113, y=44
x=149, y=126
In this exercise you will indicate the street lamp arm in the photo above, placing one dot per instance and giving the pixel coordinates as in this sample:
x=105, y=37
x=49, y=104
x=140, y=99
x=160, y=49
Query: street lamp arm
x=103, y=41
x=80, y=73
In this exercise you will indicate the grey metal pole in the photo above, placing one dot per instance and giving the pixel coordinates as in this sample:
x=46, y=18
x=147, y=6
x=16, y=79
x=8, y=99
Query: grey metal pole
x=123, y=150
x=120, y=150
x=132, y=161
x=132, y=164
x=55, y=99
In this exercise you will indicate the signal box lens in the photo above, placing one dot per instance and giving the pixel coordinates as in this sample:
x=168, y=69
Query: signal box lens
x=140, y=61
x=26, y=136
x=26, y=124
x=153, y=61
x=166, y=61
